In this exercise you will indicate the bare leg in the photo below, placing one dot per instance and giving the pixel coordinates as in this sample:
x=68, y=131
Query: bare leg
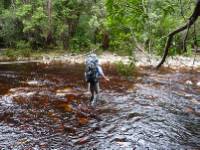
x=98, y=87
x=94, y=91
x=88, y=87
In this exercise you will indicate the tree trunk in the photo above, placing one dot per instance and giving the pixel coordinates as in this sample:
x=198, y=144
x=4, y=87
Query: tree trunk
x=72, y=26
x=49, y=38
x=191, y=21
x=95, y=35
x=106, y=40
x=65, y=39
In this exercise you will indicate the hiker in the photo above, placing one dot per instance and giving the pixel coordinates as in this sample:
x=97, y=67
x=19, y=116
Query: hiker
x=92, y=74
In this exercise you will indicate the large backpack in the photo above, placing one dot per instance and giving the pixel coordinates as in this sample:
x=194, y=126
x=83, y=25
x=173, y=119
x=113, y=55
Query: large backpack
x=91, y=68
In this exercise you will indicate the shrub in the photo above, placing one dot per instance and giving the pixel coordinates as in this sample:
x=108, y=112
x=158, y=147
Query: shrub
x=22, y=45
x=24, y=52
x=125, y=69
x=10, y=53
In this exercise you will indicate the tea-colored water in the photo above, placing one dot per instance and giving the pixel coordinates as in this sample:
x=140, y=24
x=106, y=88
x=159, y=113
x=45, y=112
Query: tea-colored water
x=46, y=107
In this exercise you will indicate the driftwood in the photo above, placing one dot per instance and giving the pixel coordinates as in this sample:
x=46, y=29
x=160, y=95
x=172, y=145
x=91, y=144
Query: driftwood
x=191, y=21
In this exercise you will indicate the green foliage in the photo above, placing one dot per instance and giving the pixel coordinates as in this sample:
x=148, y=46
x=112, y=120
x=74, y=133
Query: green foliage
x=149, y=21
x=24, y=52
x=10, y=53
x=21, y=45
x=122, y=44
x=123, y=17
x=11, y=29
x=14, y=54
x=189, y=52
x=125, y=69
x=80, y=25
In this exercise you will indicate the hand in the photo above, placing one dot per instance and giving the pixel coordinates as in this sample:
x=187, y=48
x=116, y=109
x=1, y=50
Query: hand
x=107, y=79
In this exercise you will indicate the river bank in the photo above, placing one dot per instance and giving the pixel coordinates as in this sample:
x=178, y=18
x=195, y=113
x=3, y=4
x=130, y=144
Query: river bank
x=141, y=59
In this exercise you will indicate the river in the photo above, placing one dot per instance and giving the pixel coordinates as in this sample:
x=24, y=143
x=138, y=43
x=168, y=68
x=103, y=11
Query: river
x=47, y=107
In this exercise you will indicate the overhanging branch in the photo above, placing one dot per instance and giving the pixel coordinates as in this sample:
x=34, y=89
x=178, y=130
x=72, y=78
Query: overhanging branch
x=191, y=21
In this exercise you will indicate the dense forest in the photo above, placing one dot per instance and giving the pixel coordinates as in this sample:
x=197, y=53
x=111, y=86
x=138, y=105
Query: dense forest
x=100, y=74
x=81, y=25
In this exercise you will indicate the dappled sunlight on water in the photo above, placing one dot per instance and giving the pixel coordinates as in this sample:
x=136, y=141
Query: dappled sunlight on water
x=47, y=107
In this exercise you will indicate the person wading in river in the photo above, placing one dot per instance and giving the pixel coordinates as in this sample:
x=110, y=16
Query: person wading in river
x=93, y=72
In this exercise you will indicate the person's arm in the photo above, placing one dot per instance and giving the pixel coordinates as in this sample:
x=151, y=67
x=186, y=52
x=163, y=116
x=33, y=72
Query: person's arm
x=102, y=73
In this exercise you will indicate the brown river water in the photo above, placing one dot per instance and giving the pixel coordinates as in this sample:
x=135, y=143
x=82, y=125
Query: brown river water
x=46, y=107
